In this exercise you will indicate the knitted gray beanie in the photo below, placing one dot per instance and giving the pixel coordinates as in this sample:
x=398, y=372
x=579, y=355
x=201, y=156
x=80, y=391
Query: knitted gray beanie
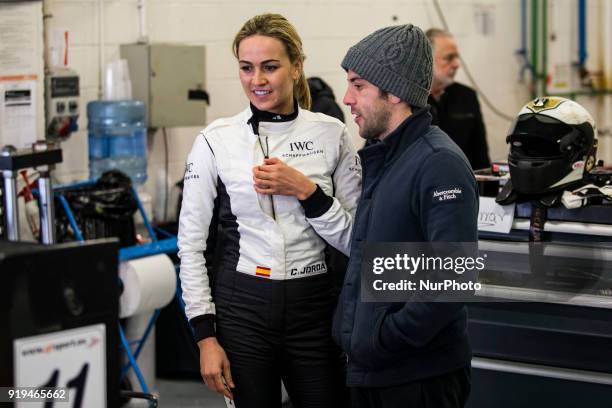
x=397, y=60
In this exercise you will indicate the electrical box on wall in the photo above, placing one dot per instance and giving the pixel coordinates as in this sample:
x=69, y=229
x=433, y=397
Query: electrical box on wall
x=61, y=102
x=170, y=79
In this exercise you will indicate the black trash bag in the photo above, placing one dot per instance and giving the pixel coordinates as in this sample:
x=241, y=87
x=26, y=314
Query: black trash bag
x=103, y=210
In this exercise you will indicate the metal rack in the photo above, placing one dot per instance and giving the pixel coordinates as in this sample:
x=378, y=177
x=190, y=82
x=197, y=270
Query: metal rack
x=43, y=156
x=166, y=245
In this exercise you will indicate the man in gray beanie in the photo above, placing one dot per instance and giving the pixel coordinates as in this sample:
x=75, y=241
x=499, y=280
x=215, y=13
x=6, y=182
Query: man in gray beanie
x=412, y=354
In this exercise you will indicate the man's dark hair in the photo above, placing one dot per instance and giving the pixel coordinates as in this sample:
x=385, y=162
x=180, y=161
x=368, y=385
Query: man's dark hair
x=385, y=95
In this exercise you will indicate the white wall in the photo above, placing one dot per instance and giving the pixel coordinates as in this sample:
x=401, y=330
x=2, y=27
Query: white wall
x=327, y=27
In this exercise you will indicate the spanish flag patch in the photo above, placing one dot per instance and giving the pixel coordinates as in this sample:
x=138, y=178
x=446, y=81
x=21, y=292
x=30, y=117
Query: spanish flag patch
x=262, y=271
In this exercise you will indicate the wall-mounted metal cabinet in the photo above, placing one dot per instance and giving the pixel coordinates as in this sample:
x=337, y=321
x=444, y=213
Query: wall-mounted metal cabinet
x=170, y=79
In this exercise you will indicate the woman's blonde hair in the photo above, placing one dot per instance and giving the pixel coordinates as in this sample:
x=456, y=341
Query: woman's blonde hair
x=277, y=26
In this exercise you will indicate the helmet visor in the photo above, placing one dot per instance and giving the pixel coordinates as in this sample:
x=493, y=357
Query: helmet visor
x=537, y=136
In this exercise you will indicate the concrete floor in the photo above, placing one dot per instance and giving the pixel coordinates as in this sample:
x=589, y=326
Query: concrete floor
x=182, y=394
x=187, y=394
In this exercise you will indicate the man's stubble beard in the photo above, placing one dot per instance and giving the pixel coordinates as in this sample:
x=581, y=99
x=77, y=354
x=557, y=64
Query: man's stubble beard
x=378, y=123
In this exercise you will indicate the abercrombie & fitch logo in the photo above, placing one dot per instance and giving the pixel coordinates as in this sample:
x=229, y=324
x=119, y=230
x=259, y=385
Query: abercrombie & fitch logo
x=454, y=193
x=301, y=146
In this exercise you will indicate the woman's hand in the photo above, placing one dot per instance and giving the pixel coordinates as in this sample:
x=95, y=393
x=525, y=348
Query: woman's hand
x=215, y=367
x=276, y=177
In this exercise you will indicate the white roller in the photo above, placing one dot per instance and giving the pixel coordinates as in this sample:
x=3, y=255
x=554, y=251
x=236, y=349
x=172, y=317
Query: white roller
x=149, y=283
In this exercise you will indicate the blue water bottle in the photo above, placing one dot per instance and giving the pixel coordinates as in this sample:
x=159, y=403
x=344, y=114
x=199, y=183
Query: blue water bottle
x=117, y=139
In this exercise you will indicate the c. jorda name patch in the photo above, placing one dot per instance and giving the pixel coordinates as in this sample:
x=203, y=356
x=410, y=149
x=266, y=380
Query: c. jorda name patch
x=446, y=194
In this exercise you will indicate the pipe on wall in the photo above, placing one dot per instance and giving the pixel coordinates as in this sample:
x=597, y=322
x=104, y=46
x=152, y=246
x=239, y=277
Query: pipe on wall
x=607, y=47
x=142, y=20
x=523, y=52
x=539, y=47
x=544, y=39
x=101, y=46
x=606, y=125
x=46, y=34
x=534, y=47
x=582, y=46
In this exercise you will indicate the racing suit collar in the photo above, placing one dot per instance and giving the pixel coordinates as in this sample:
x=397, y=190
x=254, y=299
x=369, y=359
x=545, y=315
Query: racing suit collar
x=265, y=116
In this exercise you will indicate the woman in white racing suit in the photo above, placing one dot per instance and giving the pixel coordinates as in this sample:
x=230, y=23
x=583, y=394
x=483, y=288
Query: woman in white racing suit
x=281, y=181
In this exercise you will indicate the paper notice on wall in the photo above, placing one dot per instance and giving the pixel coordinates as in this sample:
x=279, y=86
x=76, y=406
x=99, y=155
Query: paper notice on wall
x=484, y=19
x=21, y=70
x=18, y=27
x=18, y=113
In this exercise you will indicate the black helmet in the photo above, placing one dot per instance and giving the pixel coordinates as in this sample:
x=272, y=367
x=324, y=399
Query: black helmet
x=553, y=142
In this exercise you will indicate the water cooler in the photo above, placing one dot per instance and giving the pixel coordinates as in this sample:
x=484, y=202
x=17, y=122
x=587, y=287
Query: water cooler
x=117, y=138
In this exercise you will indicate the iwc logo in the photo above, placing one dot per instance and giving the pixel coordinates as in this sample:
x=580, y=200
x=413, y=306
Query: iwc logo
x=189, y=172
x=303, y=148
x=356, y=166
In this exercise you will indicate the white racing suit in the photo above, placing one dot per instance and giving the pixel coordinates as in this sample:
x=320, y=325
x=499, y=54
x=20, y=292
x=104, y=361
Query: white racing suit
x=218, y=182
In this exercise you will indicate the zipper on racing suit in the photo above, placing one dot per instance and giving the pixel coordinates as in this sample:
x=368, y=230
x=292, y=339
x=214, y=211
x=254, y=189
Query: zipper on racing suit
x=254, y=122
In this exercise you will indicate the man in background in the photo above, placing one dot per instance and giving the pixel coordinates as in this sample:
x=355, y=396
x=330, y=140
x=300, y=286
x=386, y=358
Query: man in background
x=454, y=107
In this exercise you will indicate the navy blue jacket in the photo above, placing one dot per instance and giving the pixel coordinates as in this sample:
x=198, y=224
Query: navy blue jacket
x=393, y=343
